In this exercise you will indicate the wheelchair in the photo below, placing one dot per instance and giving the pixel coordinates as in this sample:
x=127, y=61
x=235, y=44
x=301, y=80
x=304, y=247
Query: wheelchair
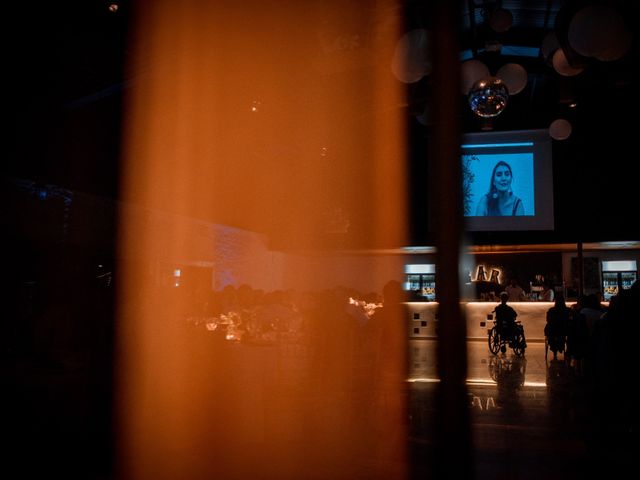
x=499, y=340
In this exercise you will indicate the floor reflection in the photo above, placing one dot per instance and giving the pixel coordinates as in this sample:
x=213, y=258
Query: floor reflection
x=483, y=367
x=525, y=413
x=508, y=370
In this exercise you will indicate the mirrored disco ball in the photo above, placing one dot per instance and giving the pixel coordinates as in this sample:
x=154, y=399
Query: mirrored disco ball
x=488, y=97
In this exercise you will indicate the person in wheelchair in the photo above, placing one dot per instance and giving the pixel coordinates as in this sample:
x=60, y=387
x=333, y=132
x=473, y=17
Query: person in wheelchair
x=506, y=330
x=505, y=318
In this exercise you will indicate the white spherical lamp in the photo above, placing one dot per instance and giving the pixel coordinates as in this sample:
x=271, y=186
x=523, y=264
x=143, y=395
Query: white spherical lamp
x=514, y=76
x=411, y=60
x=472, y=71
x=560, y=129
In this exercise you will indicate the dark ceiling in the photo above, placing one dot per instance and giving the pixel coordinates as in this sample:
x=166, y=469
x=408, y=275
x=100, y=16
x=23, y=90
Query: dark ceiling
x=67, y=78
x=594, y=183
x=537, y=29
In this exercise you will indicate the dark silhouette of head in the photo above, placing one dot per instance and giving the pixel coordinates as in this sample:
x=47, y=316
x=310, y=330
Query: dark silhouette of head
x=504, y=296
x=392, y=292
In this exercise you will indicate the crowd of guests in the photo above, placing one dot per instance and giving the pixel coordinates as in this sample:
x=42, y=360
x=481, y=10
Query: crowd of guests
x=587, y=331
x=248, y=314
x=598, y=343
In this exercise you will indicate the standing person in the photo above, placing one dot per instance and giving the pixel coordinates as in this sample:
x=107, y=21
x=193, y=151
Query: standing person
x=577, y=336
x=386, y=331
x=556, y=327
x=500, y=199
x=547, y=294
x=515, y=291
x=390, y=367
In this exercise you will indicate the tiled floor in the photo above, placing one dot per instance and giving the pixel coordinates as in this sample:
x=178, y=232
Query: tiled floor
x=531, y=417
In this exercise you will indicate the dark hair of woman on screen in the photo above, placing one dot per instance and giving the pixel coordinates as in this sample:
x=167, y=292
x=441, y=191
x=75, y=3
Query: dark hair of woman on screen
x=500, y=199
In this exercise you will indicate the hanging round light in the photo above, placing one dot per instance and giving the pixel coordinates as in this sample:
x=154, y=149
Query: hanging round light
x=562, y=65
x=488, y=97
x=560, y=129
x=500, y=20
x=471, y=71
x=411, y=59
x=514, y=76
x=599, y=31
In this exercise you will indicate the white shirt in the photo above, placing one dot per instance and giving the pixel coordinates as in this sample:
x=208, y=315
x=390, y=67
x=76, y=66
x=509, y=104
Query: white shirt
x=516, y=293
x=548, y=295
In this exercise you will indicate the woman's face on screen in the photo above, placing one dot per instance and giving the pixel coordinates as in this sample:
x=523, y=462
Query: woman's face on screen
x=502, y=178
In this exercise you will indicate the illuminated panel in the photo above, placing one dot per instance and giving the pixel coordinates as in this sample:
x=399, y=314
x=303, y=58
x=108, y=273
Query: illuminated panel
x=420, y=268
x=619, y=266
x=526, y=203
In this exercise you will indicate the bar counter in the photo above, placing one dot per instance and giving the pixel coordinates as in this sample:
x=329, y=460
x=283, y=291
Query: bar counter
x=423, y=321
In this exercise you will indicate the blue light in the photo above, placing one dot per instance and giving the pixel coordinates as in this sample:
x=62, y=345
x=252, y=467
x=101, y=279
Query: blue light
x=506, y=50
x=497, y=145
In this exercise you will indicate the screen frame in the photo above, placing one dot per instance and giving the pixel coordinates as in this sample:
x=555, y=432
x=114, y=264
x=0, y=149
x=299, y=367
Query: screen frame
x=538, y=142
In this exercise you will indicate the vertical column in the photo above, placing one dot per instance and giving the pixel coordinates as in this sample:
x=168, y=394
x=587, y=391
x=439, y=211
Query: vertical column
x=580, y=270
x=453, y=437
